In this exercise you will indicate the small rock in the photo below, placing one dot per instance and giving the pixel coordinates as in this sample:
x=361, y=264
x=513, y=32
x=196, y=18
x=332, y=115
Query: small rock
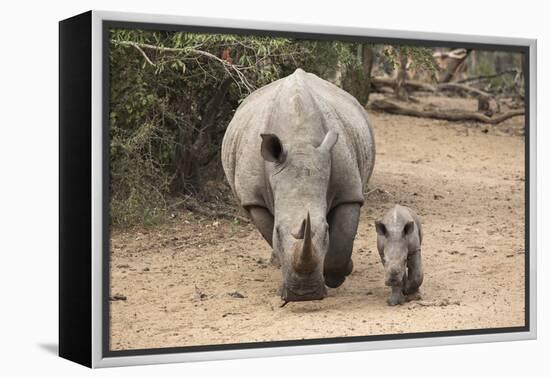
x=117, y=297
x=236, y=294
x=199, y=294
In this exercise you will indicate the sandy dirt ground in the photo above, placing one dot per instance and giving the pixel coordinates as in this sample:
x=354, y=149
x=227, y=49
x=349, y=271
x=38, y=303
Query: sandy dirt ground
x=200, y=281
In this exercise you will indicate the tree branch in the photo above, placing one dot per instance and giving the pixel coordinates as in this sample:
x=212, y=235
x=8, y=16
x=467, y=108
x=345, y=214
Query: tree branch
x=138, y=48
x=230, y=68
x=487, y=77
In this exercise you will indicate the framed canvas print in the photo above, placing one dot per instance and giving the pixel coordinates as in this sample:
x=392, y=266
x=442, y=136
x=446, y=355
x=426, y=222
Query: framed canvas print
x=233, y=189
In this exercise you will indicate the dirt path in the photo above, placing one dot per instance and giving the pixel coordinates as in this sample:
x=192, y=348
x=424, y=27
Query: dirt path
x=196, y=281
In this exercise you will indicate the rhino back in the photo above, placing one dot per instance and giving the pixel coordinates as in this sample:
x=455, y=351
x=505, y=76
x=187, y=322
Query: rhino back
x=300, y=108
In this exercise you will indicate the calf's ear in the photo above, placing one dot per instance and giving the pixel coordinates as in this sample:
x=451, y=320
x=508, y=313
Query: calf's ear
x=272, y=148
x=409, y=227
x=380, y=228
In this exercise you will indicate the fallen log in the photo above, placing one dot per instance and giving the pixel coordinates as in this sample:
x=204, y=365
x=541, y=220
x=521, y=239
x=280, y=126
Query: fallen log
x=448, y=115
x=205, y=210
x=411, y=85
x=483, y=98
x=461, y=88
x=216, y=213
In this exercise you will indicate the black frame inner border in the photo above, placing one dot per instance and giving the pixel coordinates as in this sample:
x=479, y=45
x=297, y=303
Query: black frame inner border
x=107, y=25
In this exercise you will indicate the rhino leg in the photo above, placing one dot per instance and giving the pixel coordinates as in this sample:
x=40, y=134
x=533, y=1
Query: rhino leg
x=342, y=221
x=396, y=297
x=415, y=273
x=263, y=220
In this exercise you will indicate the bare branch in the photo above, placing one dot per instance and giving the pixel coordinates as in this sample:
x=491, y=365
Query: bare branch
x=232, y=70
x=456, y=115
x=487, y=77
x=138, y=48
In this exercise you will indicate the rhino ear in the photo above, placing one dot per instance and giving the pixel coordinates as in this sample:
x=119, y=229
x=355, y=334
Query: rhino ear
x=272, y=148
x=409, y=227
x=380, y=228
x=330, y=140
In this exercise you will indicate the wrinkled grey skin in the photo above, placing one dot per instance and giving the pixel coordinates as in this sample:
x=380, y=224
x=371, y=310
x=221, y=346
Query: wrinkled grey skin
x=297, y=155
x=399, y=241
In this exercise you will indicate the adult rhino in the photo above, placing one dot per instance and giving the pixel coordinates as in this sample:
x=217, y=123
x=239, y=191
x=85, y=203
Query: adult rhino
x=298, y=154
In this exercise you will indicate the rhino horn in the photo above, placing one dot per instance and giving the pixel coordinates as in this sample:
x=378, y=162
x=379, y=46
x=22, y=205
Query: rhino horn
x=304, y=262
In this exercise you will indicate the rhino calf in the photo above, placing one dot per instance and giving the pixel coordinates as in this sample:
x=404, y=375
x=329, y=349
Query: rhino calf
x=399, y=240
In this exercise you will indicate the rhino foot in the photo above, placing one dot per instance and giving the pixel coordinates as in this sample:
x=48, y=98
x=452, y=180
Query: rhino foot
x=333, y=280
x=396, y=297
x=396, y=300
x=336, y=279
x=415, y=296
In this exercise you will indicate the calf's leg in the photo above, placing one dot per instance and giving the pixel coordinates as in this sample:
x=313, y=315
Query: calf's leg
x=342, y=221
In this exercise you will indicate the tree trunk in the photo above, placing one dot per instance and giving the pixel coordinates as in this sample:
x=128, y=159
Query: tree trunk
x=185, y=163
x=452, y=67
x=400, y=90
x=196, y=147
x=367, y=63
x=356, y=80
